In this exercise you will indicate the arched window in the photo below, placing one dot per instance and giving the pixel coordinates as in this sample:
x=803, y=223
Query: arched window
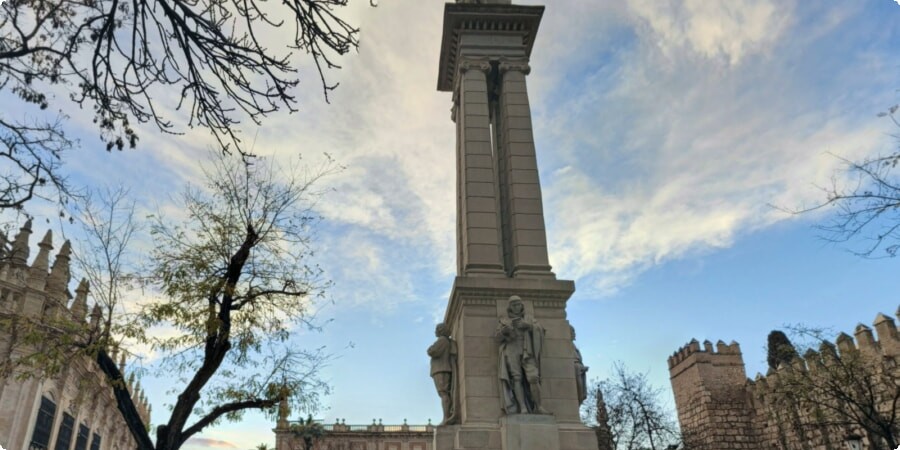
x=64, y=437
x=43, y=426
x=81, y=441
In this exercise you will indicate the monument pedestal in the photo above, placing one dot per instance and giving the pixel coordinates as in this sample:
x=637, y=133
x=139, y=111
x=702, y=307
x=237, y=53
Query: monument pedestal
x=476, y=306
x=529, y=432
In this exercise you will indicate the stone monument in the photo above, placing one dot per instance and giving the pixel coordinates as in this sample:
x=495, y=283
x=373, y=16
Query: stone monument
x=514, y=385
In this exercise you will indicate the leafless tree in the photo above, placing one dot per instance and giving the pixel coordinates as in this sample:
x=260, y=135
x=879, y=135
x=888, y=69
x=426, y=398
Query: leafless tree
x=867, y=207
x=224, y=60
x=842, y=387
x=633, y=413
x=103, y=257
x=32, y=155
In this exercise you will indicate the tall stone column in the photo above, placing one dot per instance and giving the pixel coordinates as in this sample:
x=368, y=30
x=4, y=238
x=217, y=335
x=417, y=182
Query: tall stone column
x=502, y=248
x=525, y=238
x=478, y=233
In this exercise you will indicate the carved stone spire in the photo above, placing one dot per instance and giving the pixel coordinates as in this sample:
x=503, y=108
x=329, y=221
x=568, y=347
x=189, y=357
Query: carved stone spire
x=42, y=261
x=3, y=243
x=136, y=396
x=20, y=248
x=96, y=314
x=37, y=274
x=59, y=273
x=79, y=306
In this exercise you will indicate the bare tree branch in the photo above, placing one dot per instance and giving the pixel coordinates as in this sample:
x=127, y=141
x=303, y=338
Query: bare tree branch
x=225, y=60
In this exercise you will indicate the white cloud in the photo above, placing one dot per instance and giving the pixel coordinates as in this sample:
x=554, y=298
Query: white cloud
x=676, y=123
x=714, y=28
x=663, y=155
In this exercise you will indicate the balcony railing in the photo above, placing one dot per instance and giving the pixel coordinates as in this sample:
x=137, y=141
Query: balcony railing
x=376, y=427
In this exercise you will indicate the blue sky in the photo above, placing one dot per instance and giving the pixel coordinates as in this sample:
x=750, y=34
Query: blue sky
x=664, y=129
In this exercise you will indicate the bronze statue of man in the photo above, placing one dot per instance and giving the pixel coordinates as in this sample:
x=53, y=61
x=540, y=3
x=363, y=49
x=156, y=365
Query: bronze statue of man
x=521, y=341
x=444, y=371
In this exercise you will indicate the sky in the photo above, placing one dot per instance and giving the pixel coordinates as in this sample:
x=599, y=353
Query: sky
x=670, y=135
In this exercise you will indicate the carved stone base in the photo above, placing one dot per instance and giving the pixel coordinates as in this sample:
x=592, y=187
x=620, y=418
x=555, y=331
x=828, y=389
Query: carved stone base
x=529, y=432
x=456, y=437
x=516, y=432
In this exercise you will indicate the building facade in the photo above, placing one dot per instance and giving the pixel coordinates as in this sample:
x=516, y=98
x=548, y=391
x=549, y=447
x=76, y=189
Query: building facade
x=340, y=436
x=74, y=410
x=720, y=408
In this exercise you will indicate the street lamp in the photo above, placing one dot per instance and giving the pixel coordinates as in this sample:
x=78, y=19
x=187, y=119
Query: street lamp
x=853, y=442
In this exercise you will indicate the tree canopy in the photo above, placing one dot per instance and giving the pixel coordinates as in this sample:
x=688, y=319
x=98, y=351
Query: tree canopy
x=228, y=280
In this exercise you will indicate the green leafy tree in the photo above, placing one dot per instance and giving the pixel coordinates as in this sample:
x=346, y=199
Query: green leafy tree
x=228, y=283
x=779, y=349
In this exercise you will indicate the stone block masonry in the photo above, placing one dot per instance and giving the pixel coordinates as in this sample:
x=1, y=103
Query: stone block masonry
x=720, y=408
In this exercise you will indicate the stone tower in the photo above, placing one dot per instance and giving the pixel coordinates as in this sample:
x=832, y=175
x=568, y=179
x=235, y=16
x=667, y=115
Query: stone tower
x=711, y=396
x=501, y=240
x=720, y=409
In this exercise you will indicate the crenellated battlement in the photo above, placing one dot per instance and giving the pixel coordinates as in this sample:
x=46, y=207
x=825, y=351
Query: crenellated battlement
x=719, y=409
x=693, y=347
x=38, y=292
x=882, y=341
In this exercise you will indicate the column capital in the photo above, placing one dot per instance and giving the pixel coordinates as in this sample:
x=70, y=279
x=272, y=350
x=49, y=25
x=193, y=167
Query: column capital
x=518, y=65
x=480, y=64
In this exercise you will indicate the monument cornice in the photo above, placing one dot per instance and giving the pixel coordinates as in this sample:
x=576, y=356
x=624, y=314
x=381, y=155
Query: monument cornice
x=476, y=18
x=483, y=291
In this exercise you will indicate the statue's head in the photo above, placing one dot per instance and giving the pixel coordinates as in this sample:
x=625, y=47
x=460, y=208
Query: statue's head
x=573, y=331
x=515, y=308
x=442, y=330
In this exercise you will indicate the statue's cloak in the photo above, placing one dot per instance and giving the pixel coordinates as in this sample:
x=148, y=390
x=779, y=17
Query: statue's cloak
x=533, y=345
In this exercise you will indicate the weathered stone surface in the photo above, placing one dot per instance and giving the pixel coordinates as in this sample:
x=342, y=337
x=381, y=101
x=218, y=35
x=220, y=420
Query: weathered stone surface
x=529, y=432
x=576, y=438
x=503, y=245
x=719, y=408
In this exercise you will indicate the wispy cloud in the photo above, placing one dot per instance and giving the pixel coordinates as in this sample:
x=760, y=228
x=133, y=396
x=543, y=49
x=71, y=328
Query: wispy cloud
x=680, y=139
x=663, y=129
x=726, y=30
